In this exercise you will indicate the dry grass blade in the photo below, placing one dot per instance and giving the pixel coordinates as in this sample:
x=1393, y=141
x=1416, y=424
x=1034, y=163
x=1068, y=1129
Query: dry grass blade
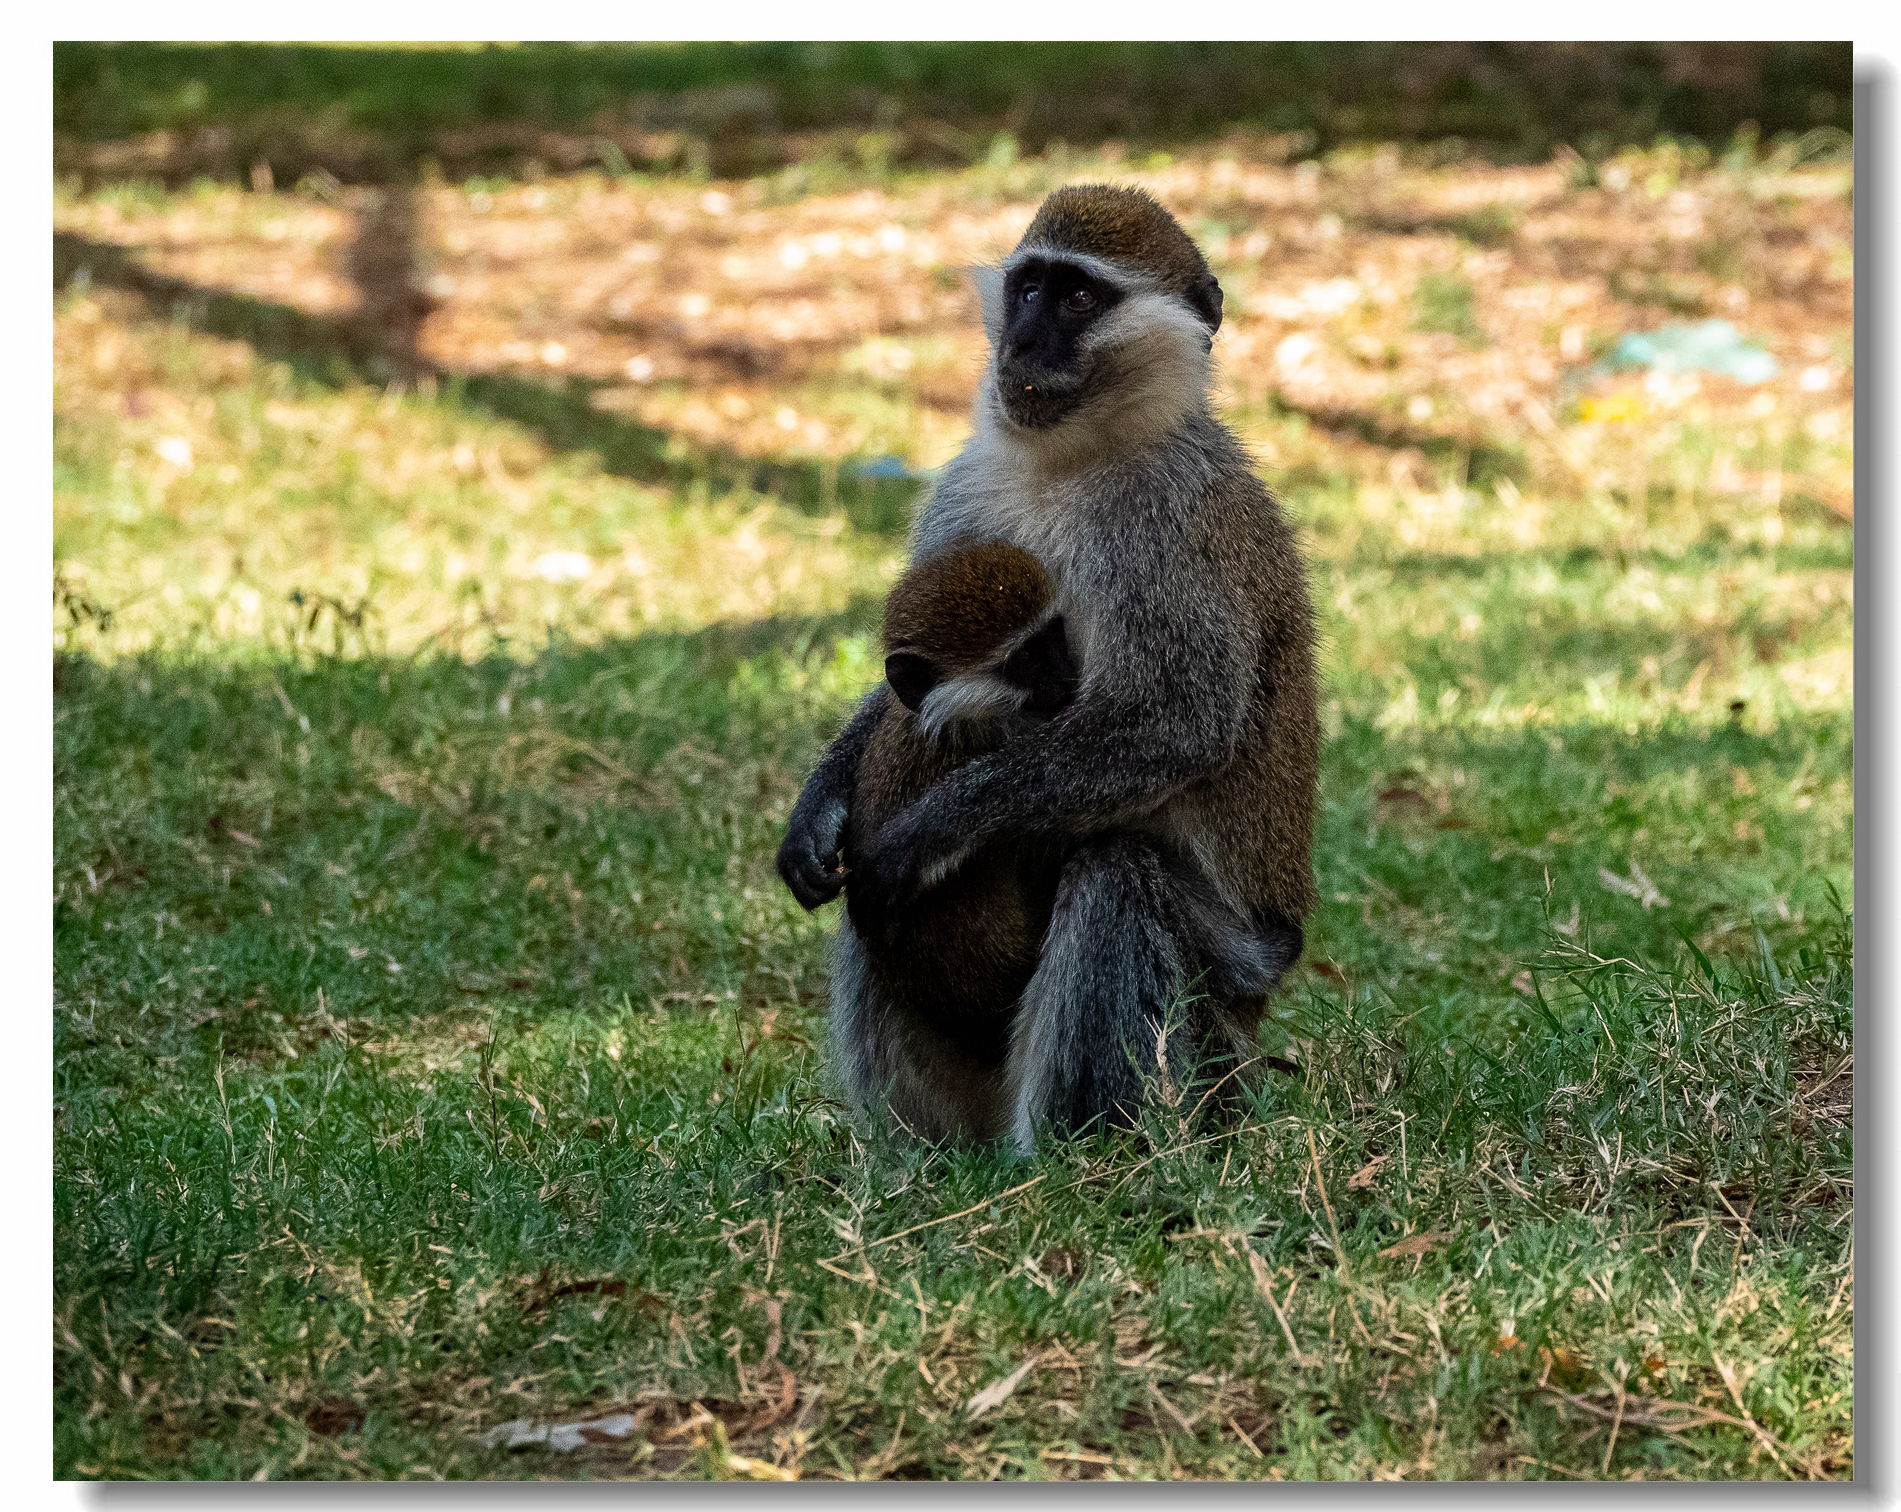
x=1365, y=1175
x=1257, y=1267
x=1416, y=1244
x=757, y=1469
x=1187, y=1424
x=997, y=1392
x=1339, y=1249
x=1668, y=1417
x=947, y=1218
x=1617, y=1423
x=1763, y=1436
x=1128, y=1172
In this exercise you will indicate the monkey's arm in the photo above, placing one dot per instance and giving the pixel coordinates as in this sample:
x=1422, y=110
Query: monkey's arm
x=1164, y=699
x=808, y=858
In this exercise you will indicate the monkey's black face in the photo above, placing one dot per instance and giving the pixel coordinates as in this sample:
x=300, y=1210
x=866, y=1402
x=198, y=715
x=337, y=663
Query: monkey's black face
x=1042, y=367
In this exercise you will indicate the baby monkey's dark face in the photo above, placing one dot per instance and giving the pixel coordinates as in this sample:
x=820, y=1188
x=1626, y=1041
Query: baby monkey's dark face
x=1043, y=358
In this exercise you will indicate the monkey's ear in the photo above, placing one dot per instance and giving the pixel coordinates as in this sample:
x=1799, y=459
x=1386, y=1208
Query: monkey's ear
x=989, y=281
x=1205, y=296
x=912, y=675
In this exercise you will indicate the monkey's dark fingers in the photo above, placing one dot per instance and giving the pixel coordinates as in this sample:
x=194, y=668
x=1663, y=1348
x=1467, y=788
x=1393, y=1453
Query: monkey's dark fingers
x=1275, y=1063
x=813, y=879
x=812, y=885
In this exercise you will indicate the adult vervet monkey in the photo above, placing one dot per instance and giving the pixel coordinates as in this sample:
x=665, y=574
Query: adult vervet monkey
x=1179, y=785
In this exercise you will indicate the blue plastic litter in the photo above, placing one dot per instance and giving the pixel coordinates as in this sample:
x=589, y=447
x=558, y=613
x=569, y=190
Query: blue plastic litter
x=1710, y=346
x=889, y=467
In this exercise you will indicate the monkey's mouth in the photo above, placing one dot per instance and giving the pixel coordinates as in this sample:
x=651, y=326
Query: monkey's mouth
x=1037, y=400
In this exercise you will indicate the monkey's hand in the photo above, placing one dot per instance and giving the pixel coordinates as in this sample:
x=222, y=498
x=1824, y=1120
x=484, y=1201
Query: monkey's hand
x=808, y=859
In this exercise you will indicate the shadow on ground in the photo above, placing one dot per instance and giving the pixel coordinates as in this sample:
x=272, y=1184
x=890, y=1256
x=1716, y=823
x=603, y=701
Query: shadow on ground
x=378, y=344
x=601, y=820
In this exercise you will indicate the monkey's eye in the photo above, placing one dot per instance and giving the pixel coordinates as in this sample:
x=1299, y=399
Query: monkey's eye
x=1079, y=300
x=1030, y=292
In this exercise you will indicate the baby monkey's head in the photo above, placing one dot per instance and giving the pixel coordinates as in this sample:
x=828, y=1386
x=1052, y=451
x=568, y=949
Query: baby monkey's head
x=972, y=640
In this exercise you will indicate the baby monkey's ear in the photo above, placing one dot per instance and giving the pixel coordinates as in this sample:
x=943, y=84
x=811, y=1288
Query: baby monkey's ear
x=912, y=675
x=1205, y=296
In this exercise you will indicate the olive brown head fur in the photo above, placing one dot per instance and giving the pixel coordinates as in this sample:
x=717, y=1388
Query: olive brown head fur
x=1178, y=789
x=973, y=642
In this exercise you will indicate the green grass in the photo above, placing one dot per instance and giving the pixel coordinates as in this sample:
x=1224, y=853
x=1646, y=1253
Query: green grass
x=435, y=1047
x=1447, y=303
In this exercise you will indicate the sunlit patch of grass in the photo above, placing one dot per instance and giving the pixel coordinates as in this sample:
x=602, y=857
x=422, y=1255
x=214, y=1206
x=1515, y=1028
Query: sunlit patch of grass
x=196, y=485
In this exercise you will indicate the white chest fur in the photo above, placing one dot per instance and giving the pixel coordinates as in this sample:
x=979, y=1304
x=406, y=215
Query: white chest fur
x=1006, y=497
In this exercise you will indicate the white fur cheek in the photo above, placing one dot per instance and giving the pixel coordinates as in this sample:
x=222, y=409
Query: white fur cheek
x=989, y=281
x=988, y=423
x=1157, y=351
x=1159, y=335
x=959, y=702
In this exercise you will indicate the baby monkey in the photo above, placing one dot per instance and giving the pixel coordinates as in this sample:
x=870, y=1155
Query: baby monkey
x=974, y=648
x=975, y=653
